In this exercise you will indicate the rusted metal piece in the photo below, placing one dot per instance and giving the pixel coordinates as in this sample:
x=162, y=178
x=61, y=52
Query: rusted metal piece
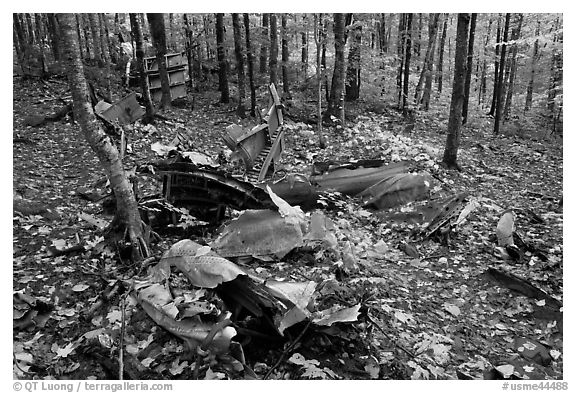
x=257, y=233
x=125, y=111
x=261, y=146
x=176, y=68
x=397, y=190
x=353, y=178
x=188, y=185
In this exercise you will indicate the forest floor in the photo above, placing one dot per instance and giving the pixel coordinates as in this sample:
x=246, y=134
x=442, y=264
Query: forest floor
x=428, y=311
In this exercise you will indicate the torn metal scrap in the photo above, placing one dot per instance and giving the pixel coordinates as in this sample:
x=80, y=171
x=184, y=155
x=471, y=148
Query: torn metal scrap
x=125, y=111
x=257, y=233
x=354, y=177
x=186, y=184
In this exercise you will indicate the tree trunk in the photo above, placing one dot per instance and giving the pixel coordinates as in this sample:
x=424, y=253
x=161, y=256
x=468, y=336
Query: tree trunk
x=469, y=62
x=273, y=63
x=222, y=63
x=265, y=42
x=383, y=34
x=323, y=40
x=30, y=30
x=250, y=58
x=127, y=216
x=336, y=102
x=40, y=38
x=171, y=29
x=81, y=41
x=455, y=119
x=105, y=40
x=158, y=32
x=500, y=87
x=96, y=41
x=111, y=44
x=497, y=68
x=418, y=40
x=483, y=82
x=317, y=41
x=85, y=25
x=407, y=55
x=556, y=69
x=20, y=42
x=54, y=36
x=144, y=87
x=206, y=22
x=401, y=50
x=354, y=63
x=535, y=54
x=285, y=59
x=304, y=35
x=239, y=53
x=189, y=56
x=427, y=66
x=513, y=52
x=433, y=32
x=440, y=71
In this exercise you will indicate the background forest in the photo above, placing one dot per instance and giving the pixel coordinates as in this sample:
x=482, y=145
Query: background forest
x=450, y=266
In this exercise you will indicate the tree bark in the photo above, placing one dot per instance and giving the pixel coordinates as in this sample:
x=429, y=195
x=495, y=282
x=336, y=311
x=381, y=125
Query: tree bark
x=30, y=29
x=239, y=53
x=105, y=40
x=317, y=41
x=265, y=41
x=144, y=87
x=500, y=87
x=497, y=68
x=556, y=69
x=285, y=59
x=455, y=119
x=111, y=45
x=401, y=50
x=127, y=214
x=407, y=55
x=383, y=34
x=250, y=58
x=158, y=32
x=336, y=103
x=222, y=63
x=427, y=66
x=432, y=31
x=470, y=55
x=513, y=53
x=19, y=42
x=40, y=39
x=354, y=63
x=535, y=55
x=54, y=36
x=483, y=82
x=323, y=40
x=304, y=35
x=96, y=42
x=440, y=71
x=189, y=55
x=273, y=63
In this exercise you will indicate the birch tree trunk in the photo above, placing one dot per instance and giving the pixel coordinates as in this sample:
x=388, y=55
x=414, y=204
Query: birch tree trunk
x=127, y=218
